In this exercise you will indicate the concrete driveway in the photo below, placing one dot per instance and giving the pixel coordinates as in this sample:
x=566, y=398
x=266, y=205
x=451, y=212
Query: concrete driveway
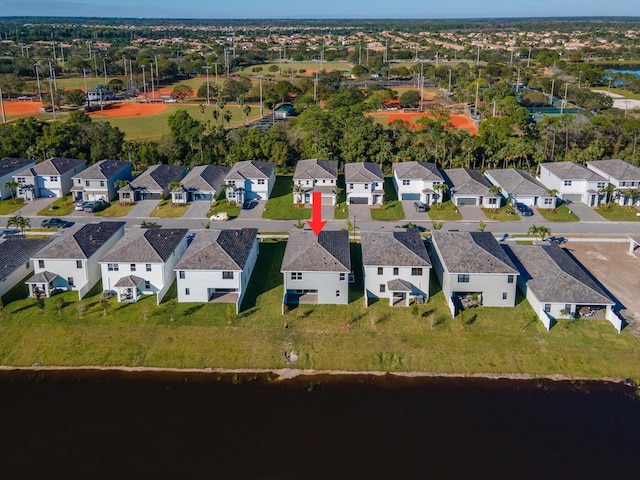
x=142, y=209
x=253, y=214
x=31, y=209
x=585, y=212
x=410, y=213
x=472, y=213
x=361, y=212
x=197, y=210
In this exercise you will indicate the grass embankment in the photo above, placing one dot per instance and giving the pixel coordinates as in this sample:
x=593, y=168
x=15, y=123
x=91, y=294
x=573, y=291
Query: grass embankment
x=61, y=207
x=444, y=211
x=66, y=332
x=9, y=206
x=166, y=209
x=280, y=205
x=115, y=209
x=560, y=214
x=616, y=213
x=503, y=214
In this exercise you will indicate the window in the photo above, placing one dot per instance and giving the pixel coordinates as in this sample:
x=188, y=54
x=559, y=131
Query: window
x=70, y=281
x=337, y=293
x=147, y=284
x=324, y=180
x=102, y=183
x=343, y=277
x=510, y=279
x=492, y=201
x=548, y=201
x=181, y=274
x=463, y=278
x=633, y=184
x=547, y=307
x=383, y=288
x=148, y=267
x=178, y=196
x=396, y=270
x=40, y=263
x=406, y=182
x=133, y=267
x=27, y=264
x=53, y=179
x=366, y=186
x=296, y=276
x=351, y=186
x=567, y=307
x=113, y=267
x=623, y=184
x=567, y=183
x=21, y=180
x=504, y=295
x=261, y=181
x=79, y=181
x=86, y=183
x=78, y=263
x=601, y=185
x=227, y=275
x=416, y=271
x=307, y=182
x=187, y=291
x=380, y=270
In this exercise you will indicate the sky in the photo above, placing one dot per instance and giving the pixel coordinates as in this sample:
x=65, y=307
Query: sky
x=365, y=9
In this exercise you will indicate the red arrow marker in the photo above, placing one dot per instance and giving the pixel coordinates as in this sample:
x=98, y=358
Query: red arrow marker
x=316, y=223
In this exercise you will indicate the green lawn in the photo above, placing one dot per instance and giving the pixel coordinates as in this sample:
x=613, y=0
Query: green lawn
x=297, y=66
x=445, y=211
x=616, y=213
x=503, y=214
x=59, y=208
x=280, y=204
x=115, y=209
x=10, y=205
x=166, y=209
x=560, y=214
x=626, y=93
x=389, y=211
x=350, y=337
x=233, y=210
x=341, y=211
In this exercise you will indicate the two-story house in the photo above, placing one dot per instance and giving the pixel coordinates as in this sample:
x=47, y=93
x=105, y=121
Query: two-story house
x=202, y=184
x=470, y=187
x=364, y=183
x=250, y=180
x=98, y=181
x=8, y=168
x=416, y=181
x=315, y=176
x=15, y=259
x=152, y=184
x=574, y=182
x=623, y=176
x=396, y=266
x=70, y=262
x=522, y=187
x=217, y=266
x=316, y=269
x=51, y=178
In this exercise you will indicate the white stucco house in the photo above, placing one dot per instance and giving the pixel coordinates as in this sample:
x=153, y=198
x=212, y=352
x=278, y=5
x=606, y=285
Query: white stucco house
x=573, y=181
x=143, y=262
x=364, y=183
x=470, y=187
x=557, y=286
x=250, y=180
x=202, y=184
x=315, y=175
x=98, y=181
x=70, y=262
x=15, y=259
x=521, y=187
x=152, y=184
x=8, y=168
x=396, y=266
x=51, y=178
x=416, y=181
x=622, y=175
x=316, y=269
x=473, y=269
x=217, y=266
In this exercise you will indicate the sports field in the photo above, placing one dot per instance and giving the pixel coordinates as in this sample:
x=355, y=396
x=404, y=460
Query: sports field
x=309, y=67
x=458, y=121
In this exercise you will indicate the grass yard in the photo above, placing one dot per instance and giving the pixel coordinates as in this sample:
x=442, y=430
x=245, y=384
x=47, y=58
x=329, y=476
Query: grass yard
x=233, y=210
x=616, y=213
x=341, y=211
x=115, y=209
x=444, y=212
x=503, y=214
x=626, y=93
x=280, y=204
x=10, y=205
x=59, y=208
x=166, y=209
x=560, y=214
x=309, y=67
x=389, y=211
x=63, y=331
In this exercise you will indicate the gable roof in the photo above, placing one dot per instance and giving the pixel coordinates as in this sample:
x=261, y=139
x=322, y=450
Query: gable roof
x=52, y=166
x=158, y=177
x=205, y=177
x=394, y=249
x=465, y=181
x=472, y=252
x=9, y=165
x=16, y=251
x=316, y=168
x=362, y=172
x=219, y=250
x=555, y=277
x=149, y=246
x=417, y=171
x=618, y=169
x=250, y=169
x=103, y=170
x=81, y=243
x=327, y=252
x=572, y=171
x=517, y=182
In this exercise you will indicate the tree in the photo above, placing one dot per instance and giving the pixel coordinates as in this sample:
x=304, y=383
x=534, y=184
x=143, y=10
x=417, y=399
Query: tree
x=12, y=185
x=75, y=97
x=482, y=226
x=440, y=189
x=182, y=92
x=19, y=222
x=541, y=231
x=175, y=186
x=227, y=116
x=608, y=191
x=246, y=110
x=410, y=98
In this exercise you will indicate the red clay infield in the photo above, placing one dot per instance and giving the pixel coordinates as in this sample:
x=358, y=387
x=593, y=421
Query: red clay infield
x=458, y=121
x=131, y=109
x=21, y=108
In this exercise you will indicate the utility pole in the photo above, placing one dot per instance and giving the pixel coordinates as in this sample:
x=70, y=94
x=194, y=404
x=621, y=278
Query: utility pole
x=207, y=68
x=579, y=78
x=4, y=117
x=529, y=57
x=478, y=57
x=261, y=106
x=157, y=75
x=101, y=105
x=477, y=92
x=564, y=101
x=315, y=89
x=104, y=70
x=61, y=53
x=131, y=73
x=449, y=91
x=86, y=88
x=421, y=86
x=518, y=83
x=321, y=55
x=51, y=95
x=153, y=87
x=124, y=64
x=38, y=80
x=553, y=86
x=144, y=84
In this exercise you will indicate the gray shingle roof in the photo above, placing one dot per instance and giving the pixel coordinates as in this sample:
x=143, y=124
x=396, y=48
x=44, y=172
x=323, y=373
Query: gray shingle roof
x=130, y=281
x=219, y=250
x=398, y=285
x=465, y=181
x=618, y=169
x=205, y=178
x=572, y=171
x=9, y=165
x=472, y=252
x=158, y=177
x=362, y=172
x=42, y=277
x=103, y=170
x=518, y=182
x=555, y=277
x=328, y=252
x=315, y=168
x=52, y=166
x=417, y=171
x=16, y=251
x=81, y=243
x=148, y=246
x=395, y=249
x=250, y=169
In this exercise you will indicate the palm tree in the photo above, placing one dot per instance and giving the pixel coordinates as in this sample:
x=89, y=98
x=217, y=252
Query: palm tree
x=608, y=192
x=297, y=190
x=632, y=194
x=552, y=192
x=227, y=116
x=121, y=183
x=19, y=222
x=541, y=231
x=496, y=191
x=482, y=226
x=175, y=186
x=440, y=189
x=12, y=185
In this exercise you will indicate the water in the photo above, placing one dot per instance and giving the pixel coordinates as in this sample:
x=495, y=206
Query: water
x=632, y=72
x=114, y=425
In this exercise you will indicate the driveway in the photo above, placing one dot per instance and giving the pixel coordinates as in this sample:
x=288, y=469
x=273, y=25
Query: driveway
x=361, y=212
x=197, y=210
x=411, y=215
x=585, y=212
x=472, y=213
x=142, y=209
x=31, y=209
x=255, y=213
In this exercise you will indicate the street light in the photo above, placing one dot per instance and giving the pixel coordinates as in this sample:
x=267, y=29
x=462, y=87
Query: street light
x=261, y=107
x=144, y=84
x=207, y=68
x=38, y=80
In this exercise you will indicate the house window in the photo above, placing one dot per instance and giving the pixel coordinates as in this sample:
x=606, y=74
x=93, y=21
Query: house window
x=567, y=183
x=510, y=279
x=79, y=181
x=70, y=281
x=406, y=182
x=383, y=288
x=366, y=186
x=380, y=270
x=261, y=181
x=343, y=277
x=187, y=291
x=53, y=179
x=396, y=270
x=492, y=201
x=504, y=295
x=40, y=263
x=148, y=267
x=21, y=180
x=633, y=184
x=133, y=267
x=463, y=278
x=102, y=183
x=147, y=284
x=181, y=274
x=227, y=275
x=324, y=180
x=113, y=267
x=567, y=307
x=78, y=263
x=351, y=186
x=337, y=293
x=86, y=183
x=296, y=276
x=307, y=182
x=27, y=264
x=548, y=201
x=547, y=307
x=416, y=271
x=623, y=184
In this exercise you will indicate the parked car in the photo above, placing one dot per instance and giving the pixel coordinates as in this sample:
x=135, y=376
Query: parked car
x=220, y=217
x=524, y=210
x=557, y=240
x=249, y=204
x=55, y=223
x=96, y=206
x=80, y=206
x=420, y=207
x=9, y=233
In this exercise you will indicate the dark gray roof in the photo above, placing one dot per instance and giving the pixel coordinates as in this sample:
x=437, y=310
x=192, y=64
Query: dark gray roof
x=464, y=181
x=158, y=177
x=205, y=178
x=42, y=277
x=15, y=251
x=9, y=165
x=472, y=252
x=362, y=172
x=219, y=250
x=555, y=277
x=315, y=168
x=250, y=169
x=53, y=166
x=103, y=170
x=517, y=182
x=328, y=252
x=618, y=169
x=398, y=285
x=572, y=171
x=130, y=281
x=417, y=171
x=81, y=242
x=149, y=246
x=395, y=249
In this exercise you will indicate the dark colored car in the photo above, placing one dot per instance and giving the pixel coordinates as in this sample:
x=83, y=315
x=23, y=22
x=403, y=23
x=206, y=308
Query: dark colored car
x=420, y=207
x=96, y=206
x=557, y=240
x=249, y=204
x=9, y=233
x=524, y=210
x=55, y=223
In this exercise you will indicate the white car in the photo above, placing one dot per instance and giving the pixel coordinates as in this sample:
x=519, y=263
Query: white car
x=219, y=217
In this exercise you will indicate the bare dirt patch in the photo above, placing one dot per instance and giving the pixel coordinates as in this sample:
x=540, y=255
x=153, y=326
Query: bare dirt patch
x=21, y=108
x=458, y=121
x=132, y=109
